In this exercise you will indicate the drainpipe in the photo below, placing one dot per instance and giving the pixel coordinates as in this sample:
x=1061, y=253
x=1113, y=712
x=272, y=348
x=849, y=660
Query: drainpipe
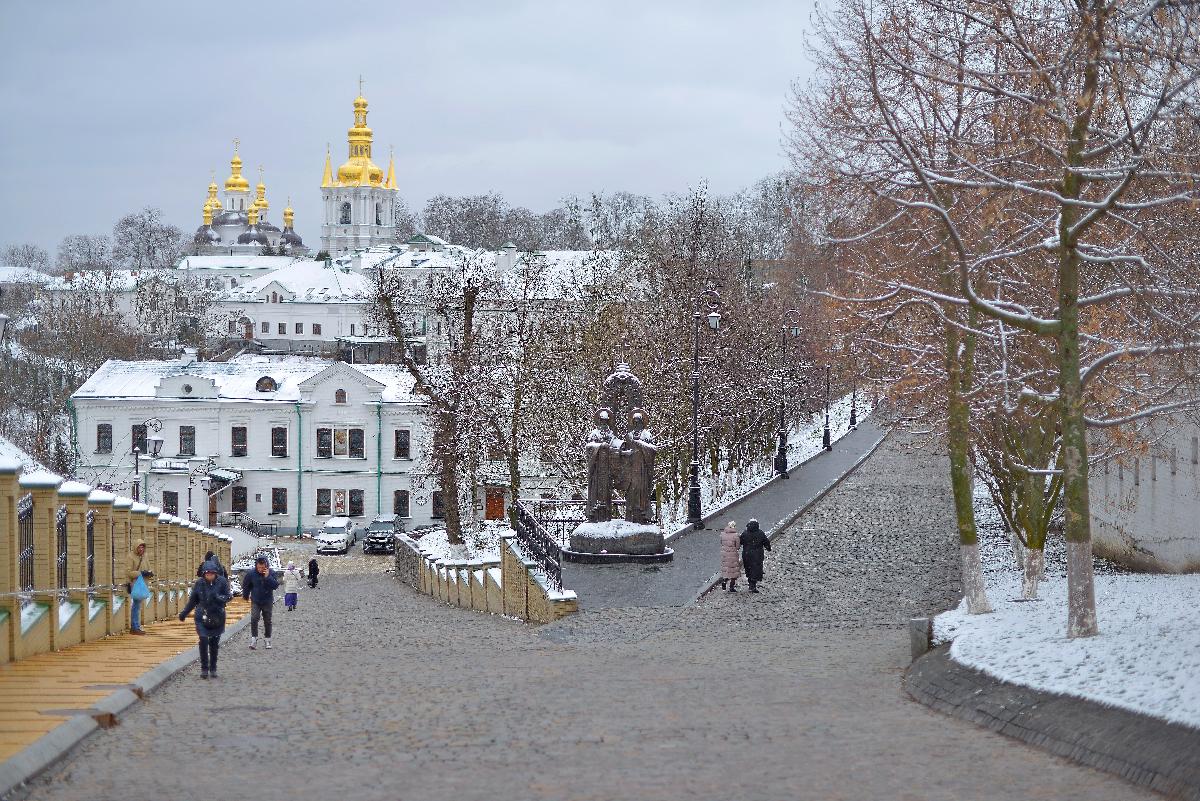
x=379, y=458
x=299, y=471
x=74, y=432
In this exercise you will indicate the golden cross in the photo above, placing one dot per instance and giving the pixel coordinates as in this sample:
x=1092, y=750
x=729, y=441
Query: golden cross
x=236, y=142
x=360, y=83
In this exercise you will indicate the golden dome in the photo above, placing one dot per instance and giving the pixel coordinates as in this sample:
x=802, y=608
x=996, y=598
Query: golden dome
x=288, y=215
x=236, y=182
x=208, y=213
x=213, y=202
x=261, y=200
x=252, y=215
x=359, y=163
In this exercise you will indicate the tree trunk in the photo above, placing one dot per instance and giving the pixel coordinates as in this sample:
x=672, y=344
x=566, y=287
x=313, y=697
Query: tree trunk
x=1031, y=575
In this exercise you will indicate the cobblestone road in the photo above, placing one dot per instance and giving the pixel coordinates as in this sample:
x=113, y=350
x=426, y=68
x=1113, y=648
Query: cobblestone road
x=375, y=692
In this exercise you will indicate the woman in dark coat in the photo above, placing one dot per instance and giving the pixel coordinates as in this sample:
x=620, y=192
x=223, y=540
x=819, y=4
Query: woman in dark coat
x=754, y=543
x=313, y=572
x=209, y=595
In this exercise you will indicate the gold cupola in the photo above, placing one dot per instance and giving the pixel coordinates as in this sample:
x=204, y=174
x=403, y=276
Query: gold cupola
x=236, y=182
x=252, y=215
x=288, y=215
x=208, y=213
x=261, y=201
x=359, y=170
x=213, y=201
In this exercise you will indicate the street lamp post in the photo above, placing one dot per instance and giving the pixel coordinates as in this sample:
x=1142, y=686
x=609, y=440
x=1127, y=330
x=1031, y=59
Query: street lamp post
x=854, y=403
x=201, y=471
x=826, y=441
x=154, y=446
x=710, y=298
x=792, y=325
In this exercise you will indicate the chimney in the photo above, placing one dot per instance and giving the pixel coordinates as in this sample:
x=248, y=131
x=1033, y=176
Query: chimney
x=506, y=257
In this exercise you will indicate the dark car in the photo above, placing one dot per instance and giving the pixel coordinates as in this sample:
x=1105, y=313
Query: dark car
x=381, y=535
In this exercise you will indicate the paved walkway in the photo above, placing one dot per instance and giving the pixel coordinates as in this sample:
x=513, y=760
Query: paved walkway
x=697, y=553
x=376, y=692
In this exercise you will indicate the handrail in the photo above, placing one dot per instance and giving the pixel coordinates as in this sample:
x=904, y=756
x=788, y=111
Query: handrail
x=538, y=544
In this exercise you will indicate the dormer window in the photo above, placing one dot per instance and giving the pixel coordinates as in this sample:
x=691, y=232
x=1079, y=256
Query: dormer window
x=266, y=384
x=339, y=396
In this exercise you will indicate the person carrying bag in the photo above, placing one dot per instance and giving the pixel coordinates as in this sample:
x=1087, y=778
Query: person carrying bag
x=209, y=595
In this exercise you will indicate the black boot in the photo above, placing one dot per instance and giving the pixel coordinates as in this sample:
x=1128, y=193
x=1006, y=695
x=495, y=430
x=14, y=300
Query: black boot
x=754, y=586
x=733, y=585
x=723, y=583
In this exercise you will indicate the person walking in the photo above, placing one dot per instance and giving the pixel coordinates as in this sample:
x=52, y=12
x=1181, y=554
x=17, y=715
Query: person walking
x=209, y=595
x=313, y=570
x=211, y=557
x=133, y=569
x=754, y=543
x=259, y=585
x=291, y=586
x=731, y=561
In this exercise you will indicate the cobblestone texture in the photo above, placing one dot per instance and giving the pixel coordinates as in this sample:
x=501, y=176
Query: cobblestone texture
x=376, y=692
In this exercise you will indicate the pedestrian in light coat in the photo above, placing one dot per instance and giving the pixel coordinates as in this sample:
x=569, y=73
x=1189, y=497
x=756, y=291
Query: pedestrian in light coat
x=209, y=595
x=291, y=586
x=731, y=560
x=754, y=543
x=133, y=569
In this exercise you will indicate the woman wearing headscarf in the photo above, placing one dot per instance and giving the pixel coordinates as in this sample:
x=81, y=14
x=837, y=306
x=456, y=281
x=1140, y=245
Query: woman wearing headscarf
x=209, y=595
x=731, y=561
x=754, y=543
x=291, y=586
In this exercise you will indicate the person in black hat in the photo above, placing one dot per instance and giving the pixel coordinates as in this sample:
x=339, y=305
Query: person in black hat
x=754, y=543
x=209, y=595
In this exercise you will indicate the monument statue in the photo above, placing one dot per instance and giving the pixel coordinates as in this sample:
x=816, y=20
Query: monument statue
x=620, y=454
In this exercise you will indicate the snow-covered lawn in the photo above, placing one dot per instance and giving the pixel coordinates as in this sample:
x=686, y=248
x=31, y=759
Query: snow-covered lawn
x=1145, y=659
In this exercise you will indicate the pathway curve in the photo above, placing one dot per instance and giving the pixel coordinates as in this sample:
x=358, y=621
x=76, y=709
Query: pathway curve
x=375, y=692
x=697, y=552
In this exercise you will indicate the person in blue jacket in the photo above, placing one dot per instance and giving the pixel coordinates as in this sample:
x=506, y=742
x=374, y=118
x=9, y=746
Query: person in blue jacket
x=259, y=585
x=209, y=595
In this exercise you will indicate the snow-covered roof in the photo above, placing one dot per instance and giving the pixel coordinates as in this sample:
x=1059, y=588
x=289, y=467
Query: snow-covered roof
x=235, y=261
x=404, y=257
x=19, y=275
x=235, y=380
x=308, y=282
x=96, y=280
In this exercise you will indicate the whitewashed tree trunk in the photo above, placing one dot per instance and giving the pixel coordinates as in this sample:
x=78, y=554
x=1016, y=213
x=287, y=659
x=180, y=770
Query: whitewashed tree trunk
x=1031, y=576
x=974, y=589
x=1081, y=598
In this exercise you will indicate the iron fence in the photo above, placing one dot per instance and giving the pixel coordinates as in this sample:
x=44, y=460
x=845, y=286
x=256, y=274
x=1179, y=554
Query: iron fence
x=60, y=529
x=538, y=543
x=91, y=548
x=25, y=541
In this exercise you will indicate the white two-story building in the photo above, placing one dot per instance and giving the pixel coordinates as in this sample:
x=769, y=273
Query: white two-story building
x=284, y=440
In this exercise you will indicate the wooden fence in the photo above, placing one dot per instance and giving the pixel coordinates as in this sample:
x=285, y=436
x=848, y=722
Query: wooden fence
x=63, y=547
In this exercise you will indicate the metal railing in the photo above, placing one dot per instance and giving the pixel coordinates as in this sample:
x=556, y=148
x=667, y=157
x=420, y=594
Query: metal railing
x=25, y=541
x=248, y=523
x=60, y=529
x=91, y=548
x=537, y=541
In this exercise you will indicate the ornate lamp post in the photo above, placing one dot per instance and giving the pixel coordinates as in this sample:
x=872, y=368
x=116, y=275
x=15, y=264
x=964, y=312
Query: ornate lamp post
x=791, y=326
x=826, y=442
x=154, y=447
x=854, y=386
x=712, y=300
x=201, y=471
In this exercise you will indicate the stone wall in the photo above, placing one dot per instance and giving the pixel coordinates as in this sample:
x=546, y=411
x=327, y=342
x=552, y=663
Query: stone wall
x=508, y=586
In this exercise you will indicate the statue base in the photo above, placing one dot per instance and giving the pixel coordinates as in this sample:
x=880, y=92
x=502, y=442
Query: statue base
x=613, y=539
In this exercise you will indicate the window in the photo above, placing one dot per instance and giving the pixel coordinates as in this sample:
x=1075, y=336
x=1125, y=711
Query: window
x=187, y=440
x=345, y=219
x=323, y=503
x=238, y=501
x=400, y=503
x=279, y=500
x=239, y=441
x=356, y=503
x=351, y=329
x=232, y=327
x=341, y=442
x=266, y=384
x=283, y=328
x=138, y=435
x=439, y=505
x=104, y=438
x=266, y=327
x=379, y=214
x=274, y=298
x=299, y=328
x=316, y=329
x=170, y=502
x=339, y=396
x=403, y=440
x=279, y=441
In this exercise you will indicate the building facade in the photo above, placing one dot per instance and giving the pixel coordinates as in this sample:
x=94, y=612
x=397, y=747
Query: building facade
x=358, y=200
x=291, y=441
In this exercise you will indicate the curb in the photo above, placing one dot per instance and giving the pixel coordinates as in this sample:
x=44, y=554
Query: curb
x=52, y=746
x=1143, y=750
x=794, y=516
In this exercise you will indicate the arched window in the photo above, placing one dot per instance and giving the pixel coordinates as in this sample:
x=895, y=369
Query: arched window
x=379, y=214
x=266, y=384
x=274, y=297
x=339, y=396
x=345, y=214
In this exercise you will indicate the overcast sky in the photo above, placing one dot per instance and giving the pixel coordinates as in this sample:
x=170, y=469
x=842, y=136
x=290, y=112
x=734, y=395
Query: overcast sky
x=111, y=106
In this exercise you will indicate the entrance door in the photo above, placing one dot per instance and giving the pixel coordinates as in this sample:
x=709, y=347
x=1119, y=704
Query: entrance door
x=212, y=511
x=494, y=508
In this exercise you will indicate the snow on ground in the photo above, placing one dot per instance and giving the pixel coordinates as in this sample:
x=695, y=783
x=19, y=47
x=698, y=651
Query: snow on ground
x=1146, y=658
x=484, y=545
x=804, y=442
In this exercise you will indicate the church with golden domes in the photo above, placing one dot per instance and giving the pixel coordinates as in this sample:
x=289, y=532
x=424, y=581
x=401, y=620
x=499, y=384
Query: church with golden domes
x=239, y=224
x=358, y=200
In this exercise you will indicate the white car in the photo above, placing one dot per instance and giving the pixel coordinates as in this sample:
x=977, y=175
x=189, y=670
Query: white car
x=336, y=536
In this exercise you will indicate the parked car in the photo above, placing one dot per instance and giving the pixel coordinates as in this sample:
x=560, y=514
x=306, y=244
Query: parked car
x=380, y=536
x=336, y=536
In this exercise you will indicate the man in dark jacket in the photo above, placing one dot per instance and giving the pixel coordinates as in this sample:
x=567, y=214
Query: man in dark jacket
x=754, y=542
x=211, y=557
x=259, y=585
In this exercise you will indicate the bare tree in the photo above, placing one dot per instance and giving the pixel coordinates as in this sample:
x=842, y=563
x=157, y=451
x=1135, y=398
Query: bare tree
x=26, y=256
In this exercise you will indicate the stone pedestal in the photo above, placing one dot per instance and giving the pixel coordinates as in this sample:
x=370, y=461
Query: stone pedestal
x=618, y=541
